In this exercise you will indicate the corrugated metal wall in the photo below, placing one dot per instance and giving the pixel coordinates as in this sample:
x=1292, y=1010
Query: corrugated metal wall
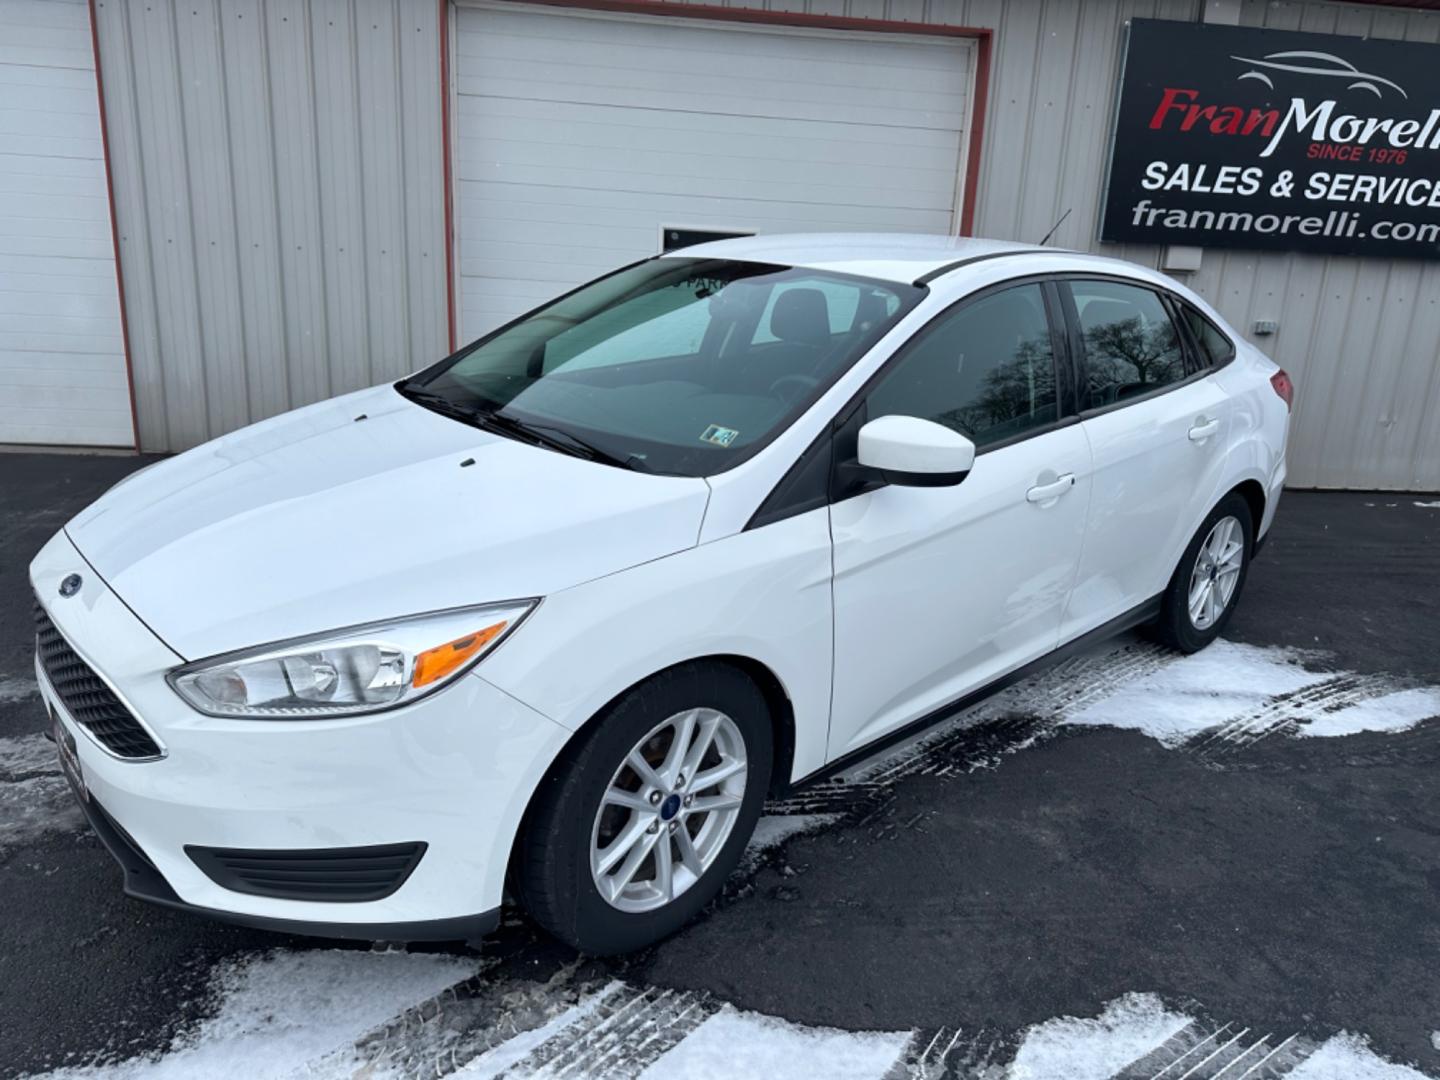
x=278, y=182
x=1361, y=336
x=280, y=200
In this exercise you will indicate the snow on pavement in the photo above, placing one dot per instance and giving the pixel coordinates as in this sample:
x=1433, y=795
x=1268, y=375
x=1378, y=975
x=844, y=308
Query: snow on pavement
x=278, y=1011
x=1096, y=1048
x=1349, y=1057
x=35, y=800
x=17, y=688
x=733, y=1043
x=1243, y=692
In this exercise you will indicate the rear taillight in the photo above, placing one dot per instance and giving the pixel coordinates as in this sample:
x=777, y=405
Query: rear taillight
x=1284, y=387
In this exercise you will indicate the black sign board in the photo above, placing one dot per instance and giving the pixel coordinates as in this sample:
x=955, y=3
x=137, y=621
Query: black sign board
x=1230, y=136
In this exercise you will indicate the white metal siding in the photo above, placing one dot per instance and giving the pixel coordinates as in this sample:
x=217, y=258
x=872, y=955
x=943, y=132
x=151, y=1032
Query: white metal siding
x=578, y=136
x=280, y=200
x=62, y=360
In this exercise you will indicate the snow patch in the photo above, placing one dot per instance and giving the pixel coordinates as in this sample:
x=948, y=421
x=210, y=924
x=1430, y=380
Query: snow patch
x=1429, y=505
x=1199, y=692
x=37, y=807
x=1070, y=1048
x=1349, y=1057
x=733, y=1043
x=1228, y=682
x=24, y=754
x=14, y=689
x=776, y=828
x=1399, y=711
x=280, y=1010
x=500, y=1059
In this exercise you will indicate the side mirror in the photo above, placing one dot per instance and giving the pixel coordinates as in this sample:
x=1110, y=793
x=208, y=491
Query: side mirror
x=911, y=452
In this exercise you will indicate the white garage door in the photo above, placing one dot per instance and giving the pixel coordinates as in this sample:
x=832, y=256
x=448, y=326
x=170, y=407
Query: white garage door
x=62, y=362
x=579, y=136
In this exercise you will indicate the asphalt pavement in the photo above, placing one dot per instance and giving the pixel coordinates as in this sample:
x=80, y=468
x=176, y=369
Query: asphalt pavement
x=1026, y=865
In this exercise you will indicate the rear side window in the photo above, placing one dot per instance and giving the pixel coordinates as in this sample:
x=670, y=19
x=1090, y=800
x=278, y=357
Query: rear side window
x=1131, y=345
x=1215, y=347
x=985, y=369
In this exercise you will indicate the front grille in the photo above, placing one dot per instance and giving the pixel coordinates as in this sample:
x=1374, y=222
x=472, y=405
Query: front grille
x=85, y=695
x=338, y=875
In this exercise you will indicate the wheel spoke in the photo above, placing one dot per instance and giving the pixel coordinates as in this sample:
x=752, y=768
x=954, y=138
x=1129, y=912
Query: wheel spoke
x=704, y=804
x=623, y=876
x=664, y=868
x=643, y=769
x=716, y=774
x=1197, y=594
x=631, y=800
x=621, y=845
x=1211, y=608
x=703, y=740
x=675, y=756
x=689, y=857
x=1197, y=603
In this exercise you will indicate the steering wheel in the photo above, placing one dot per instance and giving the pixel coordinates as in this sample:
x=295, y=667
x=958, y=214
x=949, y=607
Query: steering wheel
x=791, y=388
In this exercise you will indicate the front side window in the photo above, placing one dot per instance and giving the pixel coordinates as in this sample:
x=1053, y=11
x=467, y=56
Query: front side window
x=679, y=366
x=1131, y=346
x=985, y=369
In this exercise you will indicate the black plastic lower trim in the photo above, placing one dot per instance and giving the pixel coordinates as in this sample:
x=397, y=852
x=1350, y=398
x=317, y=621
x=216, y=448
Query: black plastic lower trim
x=350, y=875
x=1141, y=613
x=144, y=882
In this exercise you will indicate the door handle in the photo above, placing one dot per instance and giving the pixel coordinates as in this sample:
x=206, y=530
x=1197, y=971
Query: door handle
x=1203, y=429
x=1045, y=492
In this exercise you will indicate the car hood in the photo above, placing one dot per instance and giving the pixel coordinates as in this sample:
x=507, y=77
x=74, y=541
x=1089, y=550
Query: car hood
x=362, y=508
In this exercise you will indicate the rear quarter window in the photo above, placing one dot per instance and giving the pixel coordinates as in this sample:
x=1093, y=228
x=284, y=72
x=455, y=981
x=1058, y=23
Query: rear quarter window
x=1215, y=348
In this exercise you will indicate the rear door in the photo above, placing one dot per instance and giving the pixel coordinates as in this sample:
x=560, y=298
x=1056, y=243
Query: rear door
x=1155, y=422
x=939, y=591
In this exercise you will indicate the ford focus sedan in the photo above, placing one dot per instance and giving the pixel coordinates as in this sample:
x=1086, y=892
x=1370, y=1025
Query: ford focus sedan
x=552, y=618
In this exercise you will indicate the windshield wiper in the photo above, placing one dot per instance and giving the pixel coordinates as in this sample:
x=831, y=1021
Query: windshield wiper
x=542, y=435
x=468, y=414
x=555, y=439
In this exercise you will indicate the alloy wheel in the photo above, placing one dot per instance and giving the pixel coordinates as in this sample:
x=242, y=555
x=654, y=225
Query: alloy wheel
x=1216, y=572
x=668, y=810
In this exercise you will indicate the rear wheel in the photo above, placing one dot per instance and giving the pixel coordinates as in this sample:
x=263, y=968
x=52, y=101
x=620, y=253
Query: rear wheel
x=1206, y=587
x=641, y=822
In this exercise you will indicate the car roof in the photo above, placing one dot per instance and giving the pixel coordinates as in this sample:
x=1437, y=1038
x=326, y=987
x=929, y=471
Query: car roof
x=888, y=256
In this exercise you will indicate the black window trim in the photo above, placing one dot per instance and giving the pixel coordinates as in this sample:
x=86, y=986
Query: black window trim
x=1168, y=299
x=1066, y=383
x=1181, y=305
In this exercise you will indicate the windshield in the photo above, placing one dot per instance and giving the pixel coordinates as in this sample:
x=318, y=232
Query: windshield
x=676, y=366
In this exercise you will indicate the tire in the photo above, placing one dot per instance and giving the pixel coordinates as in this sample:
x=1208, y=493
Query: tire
x=1176, y=625
x=568, y=841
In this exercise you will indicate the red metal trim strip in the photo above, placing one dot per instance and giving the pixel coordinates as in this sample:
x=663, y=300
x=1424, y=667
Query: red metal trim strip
x=114, y=230
x=982, y=36
x=977, y=131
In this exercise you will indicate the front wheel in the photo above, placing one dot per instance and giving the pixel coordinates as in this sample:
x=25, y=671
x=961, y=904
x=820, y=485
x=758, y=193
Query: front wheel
x=644, y=818
x=1206, y=587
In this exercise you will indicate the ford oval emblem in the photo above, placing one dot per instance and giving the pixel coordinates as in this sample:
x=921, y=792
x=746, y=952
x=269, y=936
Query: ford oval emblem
x=71, y=585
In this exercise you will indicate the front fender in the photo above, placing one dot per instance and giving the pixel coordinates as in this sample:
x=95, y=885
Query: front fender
x=762, y=594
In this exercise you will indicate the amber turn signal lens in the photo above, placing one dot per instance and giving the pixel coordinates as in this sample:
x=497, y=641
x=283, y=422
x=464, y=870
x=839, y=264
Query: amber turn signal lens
x=436, y=663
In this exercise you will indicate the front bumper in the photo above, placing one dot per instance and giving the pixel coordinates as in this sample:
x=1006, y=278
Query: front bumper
x=453, y=771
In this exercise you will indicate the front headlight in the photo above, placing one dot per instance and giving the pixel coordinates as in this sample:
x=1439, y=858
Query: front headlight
x=361, y=669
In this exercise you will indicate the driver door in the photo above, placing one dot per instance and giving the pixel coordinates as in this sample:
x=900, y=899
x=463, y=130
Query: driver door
x=940, y=590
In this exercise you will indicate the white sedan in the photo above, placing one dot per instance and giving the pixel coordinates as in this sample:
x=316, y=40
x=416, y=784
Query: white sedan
x=557, y=614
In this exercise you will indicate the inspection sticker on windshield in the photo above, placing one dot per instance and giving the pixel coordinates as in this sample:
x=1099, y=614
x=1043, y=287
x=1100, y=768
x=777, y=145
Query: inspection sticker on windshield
x=720, y=436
